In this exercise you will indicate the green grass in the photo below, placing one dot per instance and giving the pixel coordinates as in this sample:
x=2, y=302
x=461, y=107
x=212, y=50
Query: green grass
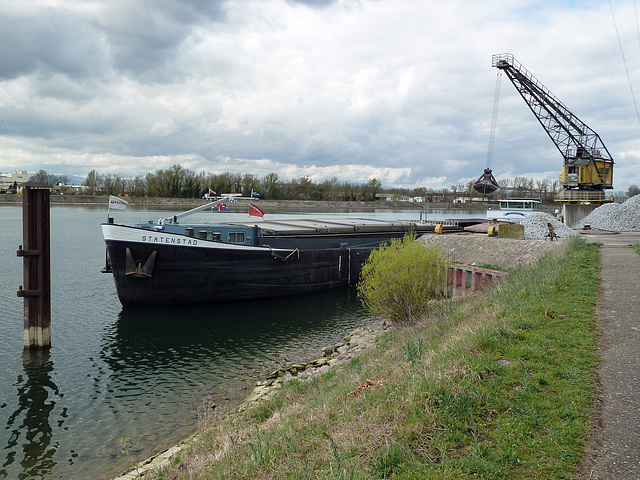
x=499, y=387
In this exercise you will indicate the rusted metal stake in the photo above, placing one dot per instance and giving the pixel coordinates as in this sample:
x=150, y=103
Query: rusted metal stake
x=35, y=253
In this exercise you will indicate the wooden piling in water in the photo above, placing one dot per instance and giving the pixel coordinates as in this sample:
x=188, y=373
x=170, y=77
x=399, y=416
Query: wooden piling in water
x=35, y=252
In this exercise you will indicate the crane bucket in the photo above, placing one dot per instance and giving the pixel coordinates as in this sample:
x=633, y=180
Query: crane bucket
x=486, y=184
x=485, y=187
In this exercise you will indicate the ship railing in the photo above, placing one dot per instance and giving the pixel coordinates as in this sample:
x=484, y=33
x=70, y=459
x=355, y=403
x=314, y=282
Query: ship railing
x=583, y=196
x=227, y=198
x=447, y=223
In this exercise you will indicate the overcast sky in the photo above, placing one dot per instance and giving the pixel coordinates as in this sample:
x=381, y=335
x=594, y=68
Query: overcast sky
x=399, y=90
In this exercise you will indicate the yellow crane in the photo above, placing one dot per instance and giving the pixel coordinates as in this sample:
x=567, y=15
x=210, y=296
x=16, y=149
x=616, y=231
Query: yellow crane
x=588, y=166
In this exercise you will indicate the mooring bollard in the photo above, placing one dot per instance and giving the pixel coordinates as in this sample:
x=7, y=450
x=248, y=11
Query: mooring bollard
x=35, y=252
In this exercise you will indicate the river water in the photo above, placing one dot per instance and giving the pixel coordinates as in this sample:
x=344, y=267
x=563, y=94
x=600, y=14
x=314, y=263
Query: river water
x=139, y=376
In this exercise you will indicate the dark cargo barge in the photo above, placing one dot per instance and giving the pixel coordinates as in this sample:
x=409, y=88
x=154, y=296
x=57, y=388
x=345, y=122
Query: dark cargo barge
x=167, y=262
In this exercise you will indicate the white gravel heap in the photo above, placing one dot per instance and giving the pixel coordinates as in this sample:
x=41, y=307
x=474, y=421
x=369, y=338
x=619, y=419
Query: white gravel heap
x=535, y=227
x=614, y=217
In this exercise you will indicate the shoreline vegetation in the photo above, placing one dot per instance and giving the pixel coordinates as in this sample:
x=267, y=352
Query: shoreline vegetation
x=497, y=385
x=181, y=182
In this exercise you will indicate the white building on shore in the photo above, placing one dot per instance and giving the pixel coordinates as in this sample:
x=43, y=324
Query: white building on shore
x=8, y=179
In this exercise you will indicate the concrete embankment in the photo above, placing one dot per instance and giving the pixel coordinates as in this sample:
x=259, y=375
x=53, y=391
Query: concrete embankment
x=502, y=253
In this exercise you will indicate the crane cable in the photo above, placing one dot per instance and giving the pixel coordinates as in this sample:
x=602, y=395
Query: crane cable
x=635, y=11
x=494, y=120
x=623, y=57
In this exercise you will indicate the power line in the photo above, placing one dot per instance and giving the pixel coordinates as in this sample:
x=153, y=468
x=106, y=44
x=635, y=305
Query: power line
x=624, y=59
x=635, y=11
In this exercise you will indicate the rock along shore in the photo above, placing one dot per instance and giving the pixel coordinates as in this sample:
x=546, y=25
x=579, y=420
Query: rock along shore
x=332, y=356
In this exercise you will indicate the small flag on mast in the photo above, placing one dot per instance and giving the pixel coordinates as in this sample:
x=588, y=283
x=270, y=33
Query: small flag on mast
x=116, y=203
x=221, y=207
x=254, y=211
x=211, y=192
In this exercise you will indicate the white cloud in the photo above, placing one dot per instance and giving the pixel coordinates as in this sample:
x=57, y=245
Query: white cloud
x=400, y=90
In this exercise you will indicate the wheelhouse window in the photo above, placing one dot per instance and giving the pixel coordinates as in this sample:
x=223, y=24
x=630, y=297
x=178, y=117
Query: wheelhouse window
x=236, y=237
x=506, y=205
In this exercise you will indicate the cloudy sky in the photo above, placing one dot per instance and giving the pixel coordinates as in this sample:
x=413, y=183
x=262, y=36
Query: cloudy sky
x=399, y=90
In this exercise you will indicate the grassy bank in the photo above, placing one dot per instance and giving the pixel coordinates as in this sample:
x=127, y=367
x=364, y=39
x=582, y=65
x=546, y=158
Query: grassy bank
x=496, y=386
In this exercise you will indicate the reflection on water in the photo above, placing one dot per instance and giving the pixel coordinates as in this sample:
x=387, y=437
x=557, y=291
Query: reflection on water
x=30, y=423
x=220, y=347
x=158, y=337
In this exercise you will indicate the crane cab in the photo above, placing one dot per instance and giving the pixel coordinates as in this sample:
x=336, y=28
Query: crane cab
x=598, y=174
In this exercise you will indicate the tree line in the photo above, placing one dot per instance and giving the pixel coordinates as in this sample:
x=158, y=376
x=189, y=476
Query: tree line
x=180, y=182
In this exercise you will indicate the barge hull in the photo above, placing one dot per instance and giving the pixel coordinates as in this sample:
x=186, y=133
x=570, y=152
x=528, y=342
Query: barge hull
x=210, y=272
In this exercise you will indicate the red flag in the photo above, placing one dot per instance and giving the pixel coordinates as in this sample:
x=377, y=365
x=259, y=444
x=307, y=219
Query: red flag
x=254, y=211
x=211, y=192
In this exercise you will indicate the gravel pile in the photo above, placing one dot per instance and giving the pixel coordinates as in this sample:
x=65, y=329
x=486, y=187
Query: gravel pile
x=535, y=227
x=614, y=217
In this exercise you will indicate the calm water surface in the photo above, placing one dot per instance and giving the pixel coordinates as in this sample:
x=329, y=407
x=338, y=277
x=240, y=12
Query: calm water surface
x=139, y=374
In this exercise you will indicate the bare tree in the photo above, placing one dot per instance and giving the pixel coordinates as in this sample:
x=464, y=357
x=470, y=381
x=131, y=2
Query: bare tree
x=249, y=184
x=43, y=177
x=542, y=187
x=138, y=186
x=94, y=182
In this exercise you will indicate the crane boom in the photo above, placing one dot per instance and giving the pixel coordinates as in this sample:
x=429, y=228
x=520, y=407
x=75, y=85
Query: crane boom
x=588, y=165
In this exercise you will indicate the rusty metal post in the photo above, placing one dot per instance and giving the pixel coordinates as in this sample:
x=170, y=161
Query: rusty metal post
x=35, y=253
